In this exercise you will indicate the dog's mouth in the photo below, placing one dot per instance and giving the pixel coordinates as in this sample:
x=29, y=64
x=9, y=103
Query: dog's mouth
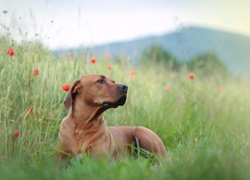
x=115, y=104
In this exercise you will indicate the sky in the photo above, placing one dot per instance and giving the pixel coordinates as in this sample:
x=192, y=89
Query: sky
x=70, y=23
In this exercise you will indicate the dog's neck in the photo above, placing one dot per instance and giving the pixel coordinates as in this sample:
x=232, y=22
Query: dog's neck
x=90, y=126
x=86, y=116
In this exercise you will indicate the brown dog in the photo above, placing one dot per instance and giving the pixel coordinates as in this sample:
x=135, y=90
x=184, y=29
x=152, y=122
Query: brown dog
x=84, y=130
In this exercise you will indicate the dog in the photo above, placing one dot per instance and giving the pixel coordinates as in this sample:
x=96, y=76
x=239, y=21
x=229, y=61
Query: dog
x=84, y=129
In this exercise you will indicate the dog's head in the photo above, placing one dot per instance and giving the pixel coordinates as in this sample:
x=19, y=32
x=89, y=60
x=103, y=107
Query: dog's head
x=96, y=90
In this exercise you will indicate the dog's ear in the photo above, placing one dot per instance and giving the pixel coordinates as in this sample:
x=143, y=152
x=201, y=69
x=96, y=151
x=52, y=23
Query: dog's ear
x=69, y=98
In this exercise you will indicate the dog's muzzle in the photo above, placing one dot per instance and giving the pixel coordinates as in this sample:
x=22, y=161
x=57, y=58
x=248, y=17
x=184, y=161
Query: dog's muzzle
x=121, y=101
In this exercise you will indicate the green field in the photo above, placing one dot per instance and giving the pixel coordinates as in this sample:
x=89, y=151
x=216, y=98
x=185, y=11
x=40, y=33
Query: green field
x=204, y=122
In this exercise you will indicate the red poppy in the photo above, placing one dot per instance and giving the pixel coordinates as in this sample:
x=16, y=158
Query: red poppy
x=109, y=67
x=16, y=133
x=66, y=87
x=35, y=71
x=30, y=110
x=191, y=76
x=106, y=56
x=168, y=89
x=93, y=60
x=219, y=88
x=10, y=51
x=70, y=56
x=132, y=73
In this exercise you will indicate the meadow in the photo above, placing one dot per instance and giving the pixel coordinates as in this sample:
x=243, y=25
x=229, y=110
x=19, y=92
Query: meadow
x=203, y=121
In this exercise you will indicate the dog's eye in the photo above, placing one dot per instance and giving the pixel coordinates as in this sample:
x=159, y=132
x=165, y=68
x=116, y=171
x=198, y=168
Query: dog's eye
x=101, y=81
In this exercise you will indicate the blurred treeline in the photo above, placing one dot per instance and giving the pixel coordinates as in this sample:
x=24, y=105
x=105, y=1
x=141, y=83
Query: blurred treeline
x=207, y=62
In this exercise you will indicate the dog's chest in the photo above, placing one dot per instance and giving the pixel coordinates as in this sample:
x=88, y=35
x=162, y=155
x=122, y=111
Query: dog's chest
x=91, y=143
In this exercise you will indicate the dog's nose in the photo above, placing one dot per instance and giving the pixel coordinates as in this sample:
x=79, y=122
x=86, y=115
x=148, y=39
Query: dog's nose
x=123, y=87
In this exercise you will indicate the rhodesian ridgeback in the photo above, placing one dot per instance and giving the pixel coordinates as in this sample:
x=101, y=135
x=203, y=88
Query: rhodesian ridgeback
x=84, y=129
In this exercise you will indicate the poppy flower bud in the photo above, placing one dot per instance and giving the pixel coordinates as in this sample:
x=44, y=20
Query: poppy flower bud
x=16, y=133
x=35, y=71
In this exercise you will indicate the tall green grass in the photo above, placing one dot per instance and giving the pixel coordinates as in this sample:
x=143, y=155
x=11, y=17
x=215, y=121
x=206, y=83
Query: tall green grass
x=204, y=122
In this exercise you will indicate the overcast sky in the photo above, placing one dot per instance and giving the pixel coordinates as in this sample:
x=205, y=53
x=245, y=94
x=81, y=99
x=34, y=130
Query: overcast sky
x=67, y=23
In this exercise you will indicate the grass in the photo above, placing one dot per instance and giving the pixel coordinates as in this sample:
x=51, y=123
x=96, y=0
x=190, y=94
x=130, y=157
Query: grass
x=204, y=123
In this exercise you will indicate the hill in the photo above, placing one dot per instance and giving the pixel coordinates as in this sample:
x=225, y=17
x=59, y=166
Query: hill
x=184, y=44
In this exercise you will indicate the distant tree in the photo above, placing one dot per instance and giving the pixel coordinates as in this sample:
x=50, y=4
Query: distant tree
x=208, y=63
x=157, y=55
